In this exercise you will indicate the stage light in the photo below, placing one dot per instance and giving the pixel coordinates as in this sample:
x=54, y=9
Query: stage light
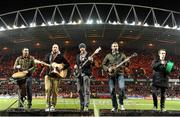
x=121, y=42
x=43, y=24
x=125, y=22
x=2, y=29
x=79, y=22
x=15, y=27
x=70, y=22
x=74, y=23
x=94, y=41
x=66, y=42
x=89, y=22
x=133, y=23
x=146, y=24
x=99, y=22
x=114, y=23
x=167, y=26
x=139, y=23
x=174, y=27
x=157, y=25
x=32, y=24
x=55, y=23
x=118, y=22
x=109, y=22
x=9, y=28
x=22, y=26
x=50, y=23
x=63, y=22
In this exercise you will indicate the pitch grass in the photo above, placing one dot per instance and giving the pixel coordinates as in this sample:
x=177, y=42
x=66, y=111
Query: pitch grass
x=96, y=104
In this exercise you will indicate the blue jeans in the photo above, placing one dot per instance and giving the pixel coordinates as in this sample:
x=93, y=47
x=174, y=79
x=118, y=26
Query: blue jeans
x=83, y=88
x=121, y=85
x=25, y=88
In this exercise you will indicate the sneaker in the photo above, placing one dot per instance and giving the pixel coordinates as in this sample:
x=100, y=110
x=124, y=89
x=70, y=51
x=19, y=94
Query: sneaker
x=154, y=108
x=47, y=109
x=163, y=110
x=86, y=109
x=52, y=108
x=122, y=107
x=114, y=110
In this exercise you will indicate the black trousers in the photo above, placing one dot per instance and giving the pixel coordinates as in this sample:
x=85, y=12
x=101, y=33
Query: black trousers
x=162, y=95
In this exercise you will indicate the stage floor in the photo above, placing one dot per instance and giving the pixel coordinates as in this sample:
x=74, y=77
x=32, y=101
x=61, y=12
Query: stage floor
x=75, y=112
x=107, y=112
x=41, y=112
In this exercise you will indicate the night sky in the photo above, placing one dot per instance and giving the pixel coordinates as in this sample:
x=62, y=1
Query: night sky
x=13, y=5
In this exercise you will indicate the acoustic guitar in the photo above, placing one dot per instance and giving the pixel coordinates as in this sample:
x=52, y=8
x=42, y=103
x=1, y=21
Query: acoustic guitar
x=56, y=68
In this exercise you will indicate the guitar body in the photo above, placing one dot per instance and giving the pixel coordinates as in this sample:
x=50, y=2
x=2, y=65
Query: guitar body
x=115, y=67
x=55, y=69
x=57, y=72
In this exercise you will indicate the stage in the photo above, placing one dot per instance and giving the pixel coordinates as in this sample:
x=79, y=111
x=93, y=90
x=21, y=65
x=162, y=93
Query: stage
x=107, y=112
x=74, y=112
x=41, y=112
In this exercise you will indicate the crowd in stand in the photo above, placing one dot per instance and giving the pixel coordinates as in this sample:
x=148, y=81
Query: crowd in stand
x=139, y=68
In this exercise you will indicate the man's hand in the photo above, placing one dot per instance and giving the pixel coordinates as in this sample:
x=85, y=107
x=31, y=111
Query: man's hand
x=26, y=71
x=75, y=66
x=110, y=69
x=90, y=58
x=163, y=62
x=18, y=66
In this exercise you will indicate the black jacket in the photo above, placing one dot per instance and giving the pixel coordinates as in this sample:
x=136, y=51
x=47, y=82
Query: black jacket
x=59, y=59
x=160, y=76
x=87, y=67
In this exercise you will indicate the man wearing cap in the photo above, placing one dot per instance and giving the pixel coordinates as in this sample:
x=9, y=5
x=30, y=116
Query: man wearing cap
x=83, y=80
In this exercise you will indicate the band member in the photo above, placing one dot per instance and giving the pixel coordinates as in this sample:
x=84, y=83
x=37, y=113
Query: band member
x=111, y=59
x=25, y=63
x=83, y=80
x=160, y=79
x=51, y=78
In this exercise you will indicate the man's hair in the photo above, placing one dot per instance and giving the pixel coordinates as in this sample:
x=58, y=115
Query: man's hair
x=114, y=43
x=24, y=48
x=161, y=50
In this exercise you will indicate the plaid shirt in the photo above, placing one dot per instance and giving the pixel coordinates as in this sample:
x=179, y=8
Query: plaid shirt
x=25, y=63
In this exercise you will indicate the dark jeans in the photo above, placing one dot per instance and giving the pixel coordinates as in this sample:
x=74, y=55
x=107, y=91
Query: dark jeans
x=154, y=94
x=121, y=85
x=25, y=89
x=83, y=88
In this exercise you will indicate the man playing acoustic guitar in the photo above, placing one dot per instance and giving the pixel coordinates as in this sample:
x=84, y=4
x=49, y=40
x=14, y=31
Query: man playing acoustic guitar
x=25, y=64
x=57, y=63
x=109, y=63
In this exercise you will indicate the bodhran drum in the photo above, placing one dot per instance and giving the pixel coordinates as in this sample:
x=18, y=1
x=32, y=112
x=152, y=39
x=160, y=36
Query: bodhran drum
x=19, y=75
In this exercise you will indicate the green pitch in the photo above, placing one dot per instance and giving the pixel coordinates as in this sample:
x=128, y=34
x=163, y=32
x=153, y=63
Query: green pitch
x=96, y=104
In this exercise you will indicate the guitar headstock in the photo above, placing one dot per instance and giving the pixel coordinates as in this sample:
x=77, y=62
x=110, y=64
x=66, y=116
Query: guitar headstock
x=134, y=54
x=97, y=50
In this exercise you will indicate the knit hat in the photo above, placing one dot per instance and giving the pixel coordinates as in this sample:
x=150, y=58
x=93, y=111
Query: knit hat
x=82, y=45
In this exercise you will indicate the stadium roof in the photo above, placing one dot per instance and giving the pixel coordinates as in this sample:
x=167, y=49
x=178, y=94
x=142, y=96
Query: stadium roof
x=95, y=23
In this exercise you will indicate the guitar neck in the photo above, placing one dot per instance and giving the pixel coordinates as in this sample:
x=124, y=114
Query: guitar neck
x=123, y=62
x=87, y=59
